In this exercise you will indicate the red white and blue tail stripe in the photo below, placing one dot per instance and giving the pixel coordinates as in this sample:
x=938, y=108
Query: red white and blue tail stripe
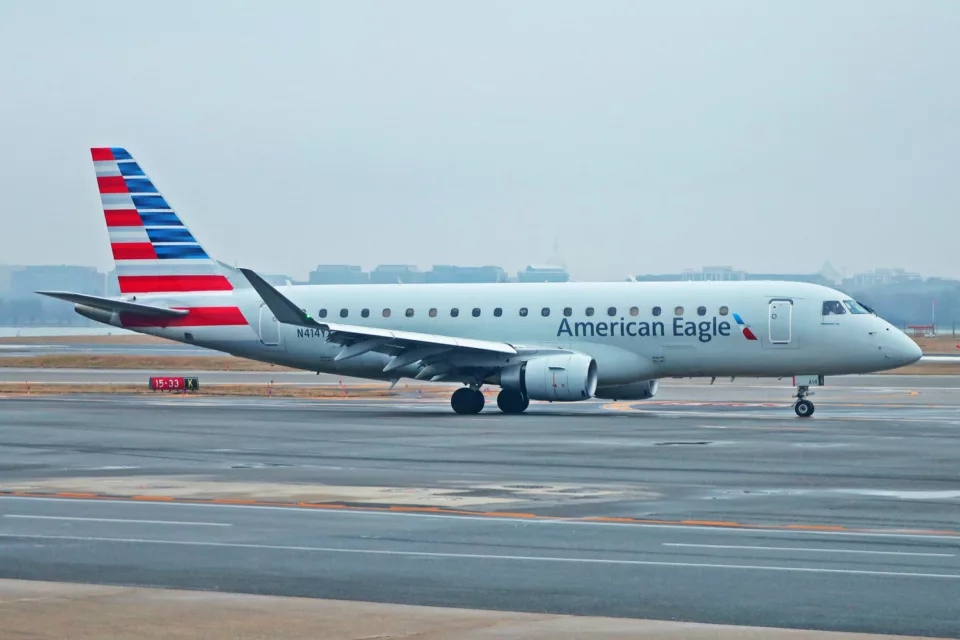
x=153, y=250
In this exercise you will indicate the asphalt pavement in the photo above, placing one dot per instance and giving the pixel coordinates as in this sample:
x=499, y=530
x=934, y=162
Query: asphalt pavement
x=695, y=507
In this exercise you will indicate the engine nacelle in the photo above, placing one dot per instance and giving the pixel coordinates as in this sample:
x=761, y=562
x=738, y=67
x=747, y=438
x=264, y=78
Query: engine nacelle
x=563, y=377
x=643, y=390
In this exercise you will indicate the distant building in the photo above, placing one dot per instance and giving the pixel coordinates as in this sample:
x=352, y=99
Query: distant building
x=881, y=277
x=543, y=274
x=6, y=274
x=831, y=274
x=812, y=278
x=278, y=280
x=396, y=273
x=405, y=274
x=452, y=273
x=658, y=277
x=113, y=285
x=729, y=274
x=338, y=274
x=706, y=274
x=26, y=280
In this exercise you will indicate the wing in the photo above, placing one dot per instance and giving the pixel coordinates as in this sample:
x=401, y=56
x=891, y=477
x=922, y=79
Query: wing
x=437, y=357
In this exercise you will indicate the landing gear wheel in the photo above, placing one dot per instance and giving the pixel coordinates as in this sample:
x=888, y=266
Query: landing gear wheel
x=804, y=408
x=511, y=401
x=467, y=401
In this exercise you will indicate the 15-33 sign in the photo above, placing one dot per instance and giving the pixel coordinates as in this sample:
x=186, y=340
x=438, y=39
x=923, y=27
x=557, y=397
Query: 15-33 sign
x=174, y=383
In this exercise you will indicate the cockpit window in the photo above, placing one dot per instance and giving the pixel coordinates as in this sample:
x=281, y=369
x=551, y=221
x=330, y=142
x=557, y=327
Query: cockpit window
x=833, y=308
x=855, y=307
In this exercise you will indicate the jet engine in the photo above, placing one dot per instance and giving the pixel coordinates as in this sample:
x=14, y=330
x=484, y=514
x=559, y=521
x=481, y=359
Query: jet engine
x=643, y=390
x=565, y=377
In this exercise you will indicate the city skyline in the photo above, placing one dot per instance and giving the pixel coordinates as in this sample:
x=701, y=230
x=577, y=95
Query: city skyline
x=826, y=275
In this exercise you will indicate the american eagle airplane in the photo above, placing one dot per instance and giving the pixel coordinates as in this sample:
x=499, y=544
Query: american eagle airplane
x=552, y=341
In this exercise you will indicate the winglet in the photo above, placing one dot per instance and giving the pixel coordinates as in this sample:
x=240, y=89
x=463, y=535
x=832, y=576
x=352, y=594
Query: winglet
x=285, y=311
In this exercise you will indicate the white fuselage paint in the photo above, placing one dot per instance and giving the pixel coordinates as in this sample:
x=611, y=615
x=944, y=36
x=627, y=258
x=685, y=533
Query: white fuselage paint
x=626, y=347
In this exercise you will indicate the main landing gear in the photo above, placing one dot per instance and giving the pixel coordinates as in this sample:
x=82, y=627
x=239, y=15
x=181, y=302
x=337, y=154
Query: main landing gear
x=803, y=407
x=511, y=401
x=467, y=400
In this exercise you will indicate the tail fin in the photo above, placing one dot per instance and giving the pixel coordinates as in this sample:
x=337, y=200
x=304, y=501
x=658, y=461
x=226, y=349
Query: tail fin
x=154, y=252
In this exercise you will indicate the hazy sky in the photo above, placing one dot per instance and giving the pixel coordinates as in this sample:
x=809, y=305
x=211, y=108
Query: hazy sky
x=643, y=136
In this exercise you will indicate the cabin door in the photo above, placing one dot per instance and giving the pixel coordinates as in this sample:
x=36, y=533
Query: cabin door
x=780, y=317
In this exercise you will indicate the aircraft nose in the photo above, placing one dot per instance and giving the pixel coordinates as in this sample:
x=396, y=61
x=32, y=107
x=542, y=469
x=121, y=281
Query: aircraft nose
x=904, y=350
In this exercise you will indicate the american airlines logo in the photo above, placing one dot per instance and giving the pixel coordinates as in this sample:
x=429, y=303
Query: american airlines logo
x=703, y=330
x=746, y=328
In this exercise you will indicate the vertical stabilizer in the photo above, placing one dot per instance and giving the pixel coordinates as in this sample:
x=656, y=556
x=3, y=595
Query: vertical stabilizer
x=153, y=250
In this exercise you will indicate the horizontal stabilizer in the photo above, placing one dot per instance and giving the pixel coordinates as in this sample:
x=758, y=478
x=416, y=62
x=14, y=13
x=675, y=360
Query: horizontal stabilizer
x=119, y=306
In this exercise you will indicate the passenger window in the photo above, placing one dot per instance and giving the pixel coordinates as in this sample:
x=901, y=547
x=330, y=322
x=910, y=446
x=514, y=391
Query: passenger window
x=724, y=311
x=432, y=313
x=476, y=312
x=386, y=313
x=611, y=311
x=589, y=311
x=567, y=311
x=634, y=311
x=701, y=311
x=656, y=311
x=454, y=312
x=523, y=312
x=854, y=307
x=344, y=313
x=678, y=311
x=498, y=312
x=545, y=312
x=365, y=313
x=409, y=313
x=833, y=308
x=322, y=313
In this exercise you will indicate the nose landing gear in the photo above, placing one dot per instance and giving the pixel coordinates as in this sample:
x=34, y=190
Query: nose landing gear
x=803, y=407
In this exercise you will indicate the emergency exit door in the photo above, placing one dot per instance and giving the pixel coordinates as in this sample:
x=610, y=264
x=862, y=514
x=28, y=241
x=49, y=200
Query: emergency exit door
x=781, y=321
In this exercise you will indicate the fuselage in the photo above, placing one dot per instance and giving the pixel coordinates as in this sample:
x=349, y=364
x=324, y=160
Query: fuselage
x=634, y=331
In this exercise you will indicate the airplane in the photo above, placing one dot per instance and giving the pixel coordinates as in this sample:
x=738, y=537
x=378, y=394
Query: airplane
x=557, y=342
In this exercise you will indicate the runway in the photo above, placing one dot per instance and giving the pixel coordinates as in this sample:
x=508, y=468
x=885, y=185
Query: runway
x=9, y=349
x=140, y=376
x=692, y=508
x=723, y=389
x=897, y=583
